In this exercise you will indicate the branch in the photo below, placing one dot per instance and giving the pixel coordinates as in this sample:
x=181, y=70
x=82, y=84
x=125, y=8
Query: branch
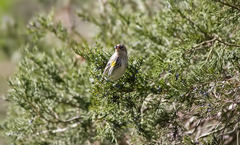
x=227, y=123
x=71, y=119
x=207, y=134
x=220, y=40
x=64, y=121
x=227, y=4
x=198, y=46
x=210, y=43
x=57, y=130
x=221, y=129
x=195, y=128
x=234, y=129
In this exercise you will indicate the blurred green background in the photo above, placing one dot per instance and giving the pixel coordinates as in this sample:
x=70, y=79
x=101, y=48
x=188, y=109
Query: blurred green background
x=14, y=18
x=11, y=22
x=14, y=15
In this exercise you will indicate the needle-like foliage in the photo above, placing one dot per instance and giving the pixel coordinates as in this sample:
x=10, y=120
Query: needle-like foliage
x=181, y=85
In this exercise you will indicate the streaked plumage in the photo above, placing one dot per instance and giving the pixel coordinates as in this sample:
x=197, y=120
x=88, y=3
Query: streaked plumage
x=117, y=64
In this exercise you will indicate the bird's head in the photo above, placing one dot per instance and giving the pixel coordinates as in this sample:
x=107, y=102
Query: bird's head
x=120, y=49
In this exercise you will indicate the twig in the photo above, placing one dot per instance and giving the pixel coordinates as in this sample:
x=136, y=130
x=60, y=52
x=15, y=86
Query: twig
x=198, y=46
x=71, y=119
x=227, y=4
x=195, y=128
x=238, y=137
x=220, y=40
x=64, y=121
x=207, y=134
x=215, y=38
x=227, y=123
x=234, y=129
x=56, y=115
x=204, y=42
x=57, y=130
x=208, y=56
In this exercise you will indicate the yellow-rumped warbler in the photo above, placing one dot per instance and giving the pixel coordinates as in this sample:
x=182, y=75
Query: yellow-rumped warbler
x=117, y=64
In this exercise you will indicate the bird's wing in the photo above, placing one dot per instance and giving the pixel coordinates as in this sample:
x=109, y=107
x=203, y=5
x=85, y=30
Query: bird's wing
x=108, y=66
x=111, y=63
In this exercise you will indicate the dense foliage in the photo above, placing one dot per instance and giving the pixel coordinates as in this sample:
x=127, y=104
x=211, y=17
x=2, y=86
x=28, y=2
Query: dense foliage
x=181, y=85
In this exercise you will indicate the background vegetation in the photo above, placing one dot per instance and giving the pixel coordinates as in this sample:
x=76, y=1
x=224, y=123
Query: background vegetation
x=181, y=85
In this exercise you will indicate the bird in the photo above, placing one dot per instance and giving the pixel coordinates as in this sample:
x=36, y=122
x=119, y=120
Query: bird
x=117, y=64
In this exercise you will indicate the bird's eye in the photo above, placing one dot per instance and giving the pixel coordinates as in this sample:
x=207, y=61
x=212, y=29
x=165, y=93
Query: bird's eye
x=121, y=47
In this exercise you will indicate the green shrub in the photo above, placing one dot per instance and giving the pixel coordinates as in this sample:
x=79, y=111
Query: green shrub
x=181, y=85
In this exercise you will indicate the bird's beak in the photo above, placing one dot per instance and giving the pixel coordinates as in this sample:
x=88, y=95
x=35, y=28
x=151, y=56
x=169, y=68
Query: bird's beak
x=116, y=47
